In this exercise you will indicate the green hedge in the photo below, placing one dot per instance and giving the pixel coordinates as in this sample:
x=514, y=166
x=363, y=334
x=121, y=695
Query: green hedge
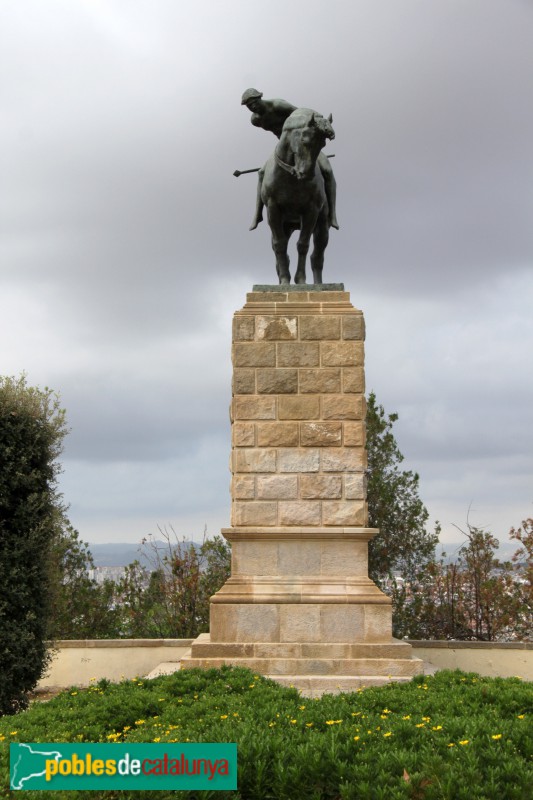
x=454, y=735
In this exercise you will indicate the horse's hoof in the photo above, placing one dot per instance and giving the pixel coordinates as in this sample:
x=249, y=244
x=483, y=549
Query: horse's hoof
x=284, y=281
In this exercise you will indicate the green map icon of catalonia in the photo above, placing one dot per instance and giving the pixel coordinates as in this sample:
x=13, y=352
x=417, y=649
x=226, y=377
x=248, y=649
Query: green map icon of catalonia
x=28, y=762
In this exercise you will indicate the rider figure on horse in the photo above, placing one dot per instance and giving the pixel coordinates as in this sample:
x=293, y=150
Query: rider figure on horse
x=271, y=115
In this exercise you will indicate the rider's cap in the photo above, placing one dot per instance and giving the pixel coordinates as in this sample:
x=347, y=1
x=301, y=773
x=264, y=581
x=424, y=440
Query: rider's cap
x=249, y=94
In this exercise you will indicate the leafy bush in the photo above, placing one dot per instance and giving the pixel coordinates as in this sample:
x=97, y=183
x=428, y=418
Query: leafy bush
x=32, y=427
x=454, y=735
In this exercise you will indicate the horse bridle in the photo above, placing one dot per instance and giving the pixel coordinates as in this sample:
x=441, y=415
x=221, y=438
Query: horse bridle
x=287, y=167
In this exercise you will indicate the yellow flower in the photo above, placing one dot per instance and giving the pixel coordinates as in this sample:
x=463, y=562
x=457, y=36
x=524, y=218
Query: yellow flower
x=385, y=711
x=420, y=725
x=521, y=716
x=157, y=739
x=437, y=728
x=356, y=738
x=126, y=728
x=333, y=721
x=13, y=733
x=308, y=724
x=464, y=741
x=73, y=693
x=235, y=714
x=387, y=734
x=140, y=722
x=426, y=719
x=302, y=708
x=293, y=721
x=223, y=716
x=271, y=724
x=496, y=736
x=451, y=744
x=407, y=716
x=383, y=716
x=251, y=686
x=355, y=713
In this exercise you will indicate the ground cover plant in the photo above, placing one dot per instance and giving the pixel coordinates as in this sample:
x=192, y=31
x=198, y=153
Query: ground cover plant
x=453, y=735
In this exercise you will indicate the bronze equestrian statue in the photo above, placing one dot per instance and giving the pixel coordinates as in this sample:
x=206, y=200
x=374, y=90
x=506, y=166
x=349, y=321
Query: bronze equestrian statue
x=296, y=185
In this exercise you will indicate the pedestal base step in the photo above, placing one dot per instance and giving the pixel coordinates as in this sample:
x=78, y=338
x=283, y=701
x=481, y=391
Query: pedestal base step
x=317, y=685
x=329, y=661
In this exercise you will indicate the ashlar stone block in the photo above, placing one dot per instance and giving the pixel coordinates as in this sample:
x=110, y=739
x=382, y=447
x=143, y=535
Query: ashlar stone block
x=316, y=487
x=354, y=434
x=342, y=406
x=277, y=487
x=320, y=327
x=351, y=459
x=299, y=623
x=277, y=381
x=243, y=381
x=353, y=380
x=277, y=434
x=298, y=354
x=304, y=408
x=243, y=487
x=275, y=328
x=355, y=486
x=254, y=460
x=254, y=354
x=295, y=460
x=255, y=513
x=245, y=407
x=320, y=434
x=320, y=381
x=344, y=512
x=299, y=512
x=299, y=558
x=243, y=328
x=341, y=354
x=243, y=434
x=353, y=326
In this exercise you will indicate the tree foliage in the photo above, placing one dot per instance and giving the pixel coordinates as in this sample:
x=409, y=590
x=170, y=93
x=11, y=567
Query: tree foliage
x=172, y=599
x=81, y=608
x=404, y=543
x=475, y=597
x=32, y=428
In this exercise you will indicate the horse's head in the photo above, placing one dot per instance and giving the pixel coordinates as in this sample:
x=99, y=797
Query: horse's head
x=307, y=136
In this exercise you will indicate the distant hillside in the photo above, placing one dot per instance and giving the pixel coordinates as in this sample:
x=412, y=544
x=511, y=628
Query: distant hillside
x=120, y=555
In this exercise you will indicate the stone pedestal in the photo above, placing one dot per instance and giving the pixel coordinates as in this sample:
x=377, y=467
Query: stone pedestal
x=299, y=606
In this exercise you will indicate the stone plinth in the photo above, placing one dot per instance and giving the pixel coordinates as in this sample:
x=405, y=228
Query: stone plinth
x=299, y=605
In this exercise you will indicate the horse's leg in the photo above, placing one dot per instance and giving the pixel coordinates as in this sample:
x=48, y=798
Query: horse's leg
x=280, y=242
x=320, y=242
x=307, y=224
x=258, y=216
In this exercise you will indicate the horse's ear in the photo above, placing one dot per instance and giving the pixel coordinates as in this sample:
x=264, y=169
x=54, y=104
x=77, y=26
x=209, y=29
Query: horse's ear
x=312, y=120
x=330, y=118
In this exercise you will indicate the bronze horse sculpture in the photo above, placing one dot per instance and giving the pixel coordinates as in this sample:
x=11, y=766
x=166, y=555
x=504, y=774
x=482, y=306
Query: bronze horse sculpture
x=293, y=193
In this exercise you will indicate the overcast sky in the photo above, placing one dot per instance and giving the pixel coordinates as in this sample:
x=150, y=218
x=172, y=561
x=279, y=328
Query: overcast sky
x=125, y=250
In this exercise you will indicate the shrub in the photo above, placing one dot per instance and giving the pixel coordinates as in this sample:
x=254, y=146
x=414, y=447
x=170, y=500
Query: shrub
x=32, y=426
x=455, y=735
